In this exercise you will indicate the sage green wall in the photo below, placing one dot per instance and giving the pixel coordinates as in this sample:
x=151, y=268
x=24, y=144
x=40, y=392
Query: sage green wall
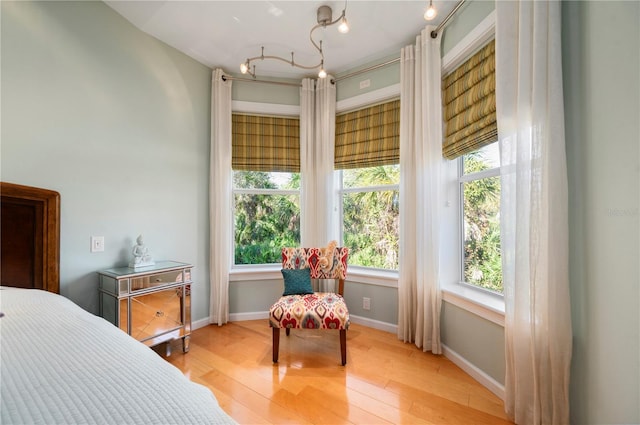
x=378, y=78
x=118, y=123
x=266, y=93
x=384, y=301
x=468, y=16
x=601, y=49
x=479, y=341
x=254, y=296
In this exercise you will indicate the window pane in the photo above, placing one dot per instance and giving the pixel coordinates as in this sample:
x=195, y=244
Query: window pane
x=263, y=225
x=483, y=159
x=371, y=176
x=482, y=260
x=265, y=180
x=371, y=221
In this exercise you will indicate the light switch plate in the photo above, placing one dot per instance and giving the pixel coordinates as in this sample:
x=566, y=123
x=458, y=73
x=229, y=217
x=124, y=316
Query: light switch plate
x=97, y=243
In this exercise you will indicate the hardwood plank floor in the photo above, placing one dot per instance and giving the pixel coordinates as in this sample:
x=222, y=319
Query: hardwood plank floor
x=384, y=381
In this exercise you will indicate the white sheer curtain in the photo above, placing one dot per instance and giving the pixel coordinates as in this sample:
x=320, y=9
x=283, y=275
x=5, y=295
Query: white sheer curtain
x=419, y=295
x=534, y=222
x=317, y=155
x=324, y=160
x=220, y=189
x=307, y=164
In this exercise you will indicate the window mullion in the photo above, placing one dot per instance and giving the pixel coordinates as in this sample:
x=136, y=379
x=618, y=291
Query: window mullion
x=266, y=191
x=491, y=172
x=380, y=188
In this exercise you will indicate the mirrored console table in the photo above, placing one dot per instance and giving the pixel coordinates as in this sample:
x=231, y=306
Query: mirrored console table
x=152, y=304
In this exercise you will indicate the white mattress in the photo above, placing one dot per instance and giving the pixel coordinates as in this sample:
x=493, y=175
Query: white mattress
x=62, y=365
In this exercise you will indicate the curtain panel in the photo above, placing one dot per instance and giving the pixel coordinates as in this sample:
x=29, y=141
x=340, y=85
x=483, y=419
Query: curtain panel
x=262, y=143
x=307, y=163
x=419, y=294
x=324, y=146
x=319, y=222
x=534, y=211
x=368, y=137
x=220, y=190
x=469, y=102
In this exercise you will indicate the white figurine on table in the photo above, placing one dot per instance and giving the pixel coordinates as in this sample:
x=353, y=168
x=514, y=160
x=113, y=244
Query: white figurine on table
x=141, y=257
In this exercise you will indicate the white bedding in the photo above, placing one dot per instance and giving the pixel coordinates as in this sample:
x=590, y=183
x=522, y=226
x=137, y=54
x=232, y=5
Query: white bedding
x=62, y=365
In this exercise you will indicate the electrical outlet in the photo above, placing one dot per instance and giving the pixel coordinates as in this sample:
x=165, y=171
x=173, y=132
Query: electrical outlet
x=366, y=303
x=97, y=243
x=365, y=83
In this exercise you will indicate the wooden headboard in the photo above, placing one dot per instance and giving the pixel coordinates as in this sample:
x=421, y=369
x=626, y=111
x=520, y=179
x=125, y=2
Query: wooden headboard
x=30, y=236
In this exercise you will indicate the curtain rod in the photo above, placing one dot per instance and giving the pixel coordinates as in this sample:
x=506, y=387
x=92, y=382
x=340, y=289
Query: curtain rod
x=435, y=32
x=371, y=68
x=249, y=80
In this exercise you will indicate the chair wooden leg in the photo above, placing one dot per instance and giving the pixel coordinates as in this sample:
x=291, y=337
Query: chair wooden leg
x=276, y=344
x=343, y=346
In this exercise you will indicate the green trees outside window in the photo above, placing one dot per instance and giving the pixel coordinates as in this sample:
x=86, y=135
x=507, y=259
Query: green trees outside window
x=481, y=220
x=371, y=216
x=267, y=215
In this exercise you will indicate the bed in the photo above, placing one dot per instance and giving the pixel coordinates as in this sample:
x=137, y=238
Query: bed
x=60, y=364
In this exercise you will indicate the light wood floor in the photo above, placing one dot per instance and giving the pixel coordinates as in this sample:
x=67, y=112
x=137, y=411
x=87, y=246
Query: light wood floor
x=384, y=381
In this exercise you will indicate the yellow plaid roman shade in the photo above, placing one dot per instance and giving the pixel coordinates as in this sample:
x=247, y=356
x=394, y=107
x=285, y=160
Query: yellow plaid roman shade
x=469, y=99
x=368, y=137
x=261, y=143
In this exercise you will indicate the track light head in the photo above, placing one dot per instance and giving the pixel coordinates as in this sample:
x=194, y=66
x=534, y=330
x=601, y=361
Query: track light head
x=431, y=12
x=344, y=25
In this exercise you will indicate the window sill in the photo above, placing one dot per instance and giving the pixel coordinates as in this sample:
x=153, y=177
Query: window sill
x=371, y=276
x=481, y=303
x=254, y=273
x=354, y=274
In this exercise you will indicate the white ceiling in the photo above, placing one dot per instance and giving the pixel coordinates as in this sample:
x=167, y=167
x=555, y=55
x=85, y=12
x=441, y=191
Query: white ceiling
x=226, y=33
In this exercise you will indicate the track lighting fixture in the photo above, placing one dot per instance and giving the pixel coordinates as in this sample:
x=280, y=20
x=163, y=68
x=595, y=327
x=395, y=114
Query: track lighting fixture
x=324, y=18
x=431, y=12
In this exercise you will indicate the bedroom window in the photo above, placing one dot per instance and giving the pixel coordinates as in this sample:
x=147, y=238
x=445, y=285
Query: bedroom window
x=266, y=187
x=368, y=155
x=480, y=193
x=371, y=215
x=471, y=134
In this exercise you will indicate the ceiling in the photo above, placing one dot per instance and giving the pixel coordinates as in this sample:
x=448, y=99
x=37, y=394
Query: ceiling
x=225, y=33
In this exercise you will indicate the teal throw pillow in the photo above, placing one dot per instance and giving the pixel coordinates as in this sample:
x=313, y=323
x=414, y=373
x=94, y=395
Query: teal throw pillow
x=297, y=281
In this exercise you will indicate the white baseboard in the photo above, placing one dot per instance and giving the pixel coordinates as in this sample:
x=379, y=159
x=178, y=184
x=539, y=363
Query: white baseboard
x=375, y=324
x=233, y=317
x=487, y=381
x=254, y=315
x=200, y=323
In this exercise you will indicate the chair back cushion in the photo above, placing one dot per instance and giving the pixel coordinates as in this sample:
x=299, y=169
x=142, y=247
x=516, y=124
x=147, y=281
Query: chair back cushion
x=324, y=263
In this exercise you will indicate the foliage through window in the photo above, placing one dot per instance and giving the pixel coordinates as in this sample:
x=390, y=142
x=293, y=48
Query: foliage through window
x=371, y=215
x=266, y=215
x=480, y=189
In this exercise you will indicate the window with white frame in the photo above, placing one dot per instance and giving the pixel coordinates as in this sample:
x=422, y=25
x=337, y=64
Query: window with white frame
x=368, y=155
x=471, y=134
x=266, y=187
x=266, y=215
x=480, y=215
x=371, y=215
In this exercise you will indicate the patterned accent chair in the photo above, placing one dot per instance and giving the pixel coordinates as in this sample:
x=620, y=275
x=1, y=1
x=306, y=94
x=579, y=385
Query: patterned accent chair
x=316, y=310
